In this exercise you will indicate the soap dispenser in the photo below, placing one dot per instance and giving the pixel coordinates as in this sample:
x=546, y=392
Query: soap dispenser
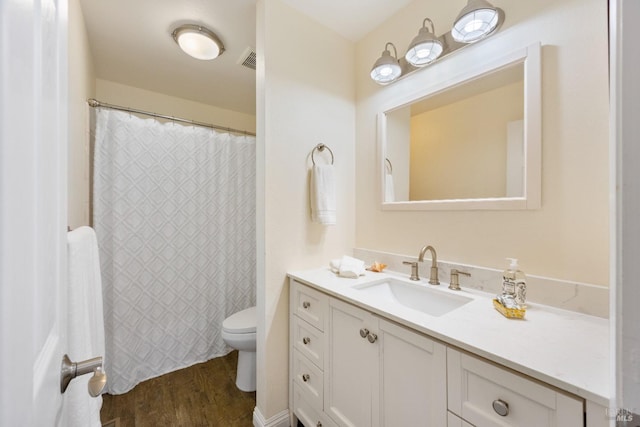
x=514, y=282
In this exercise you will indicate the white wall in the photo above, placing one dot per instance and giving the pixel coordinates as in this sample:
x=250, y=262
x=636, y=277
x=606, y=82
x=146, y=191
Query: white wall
x=306, y=95
x=155, y=102
x=568, y=237
x=81, y=87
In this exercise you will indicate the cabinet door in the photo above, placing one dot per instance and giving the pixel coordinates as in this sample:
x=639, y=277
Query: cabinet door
x=349, y=364
x=412, y=379
x=456, y=421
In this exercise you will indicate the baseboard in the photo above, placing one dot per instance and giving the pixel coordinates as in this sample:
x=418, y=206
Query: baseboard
x=281, y=419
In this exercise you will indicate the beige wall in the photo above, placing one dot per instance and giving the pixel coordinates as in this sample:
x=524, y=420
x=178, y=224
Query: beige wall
x=306, y=95
x=128, y=96
x=459, y=150
x=567, y=238
x=81, y=87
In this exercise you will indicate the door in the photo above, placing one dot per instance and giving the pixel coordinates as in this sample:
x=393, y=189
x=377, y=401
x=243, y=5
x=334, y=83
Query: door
x=350, y=364
x=33, y=132
x=412, y=376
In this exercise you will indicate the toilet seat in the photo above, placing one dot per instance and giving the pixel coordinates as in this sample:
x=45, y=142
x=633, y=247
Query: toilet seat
x=242, y=322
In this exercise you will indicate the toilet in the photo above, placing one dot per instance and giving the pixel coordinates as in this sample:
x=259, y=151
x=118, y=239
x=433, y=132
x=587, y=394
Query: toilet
x=239, y=332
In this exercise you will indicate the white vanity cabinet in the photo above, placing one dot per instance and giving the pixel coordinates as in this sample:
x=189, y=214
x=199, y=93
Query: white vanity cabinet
x=485, y=394
x=352, y=368
x=376, y=373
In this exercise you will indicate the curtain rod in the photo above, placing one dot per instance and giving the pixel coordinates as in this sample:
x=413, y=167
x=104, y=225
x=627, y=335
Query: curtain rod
x=95, y=103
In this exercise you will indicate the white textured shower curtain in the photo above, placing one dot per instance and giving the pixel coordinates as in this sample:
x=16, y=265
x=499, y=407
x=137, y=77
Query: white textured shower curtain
x=174, y=212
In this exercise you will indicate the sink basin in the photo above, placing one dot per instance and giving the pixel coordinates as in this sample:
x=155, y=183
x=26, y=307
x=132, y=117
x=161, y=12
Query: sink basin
x=414, y=296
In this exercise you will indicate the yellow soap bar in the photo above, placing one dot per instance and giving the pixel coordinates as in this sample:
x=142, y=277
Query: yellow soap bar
x=512, y=313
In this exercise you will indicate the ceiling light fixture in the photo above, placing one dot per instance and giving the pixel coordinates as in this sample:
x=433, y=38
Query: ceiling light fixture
x=198, y=42
x=387, y=68
x=475, y=21
x=425, y=47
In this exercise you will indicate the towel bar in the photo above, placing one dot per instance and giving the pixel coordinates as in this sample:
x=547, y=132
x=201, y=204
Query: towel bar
x=320, y=147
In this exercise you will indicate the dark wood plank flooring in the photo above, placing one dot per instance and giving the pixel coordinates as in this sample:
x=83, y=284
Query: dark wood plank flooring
x=202, y=395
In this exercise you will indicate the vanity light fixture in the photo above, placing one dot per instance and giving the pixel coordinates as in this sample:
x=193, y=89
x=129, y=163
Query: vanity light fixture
x=387, y=68
x=425, y=47
x=198, y=41
x=475, y=21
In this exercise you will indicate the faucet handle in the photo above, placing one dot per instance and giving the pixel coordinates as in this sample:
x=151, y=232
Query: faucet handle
x=414, y=269
x=454, y=283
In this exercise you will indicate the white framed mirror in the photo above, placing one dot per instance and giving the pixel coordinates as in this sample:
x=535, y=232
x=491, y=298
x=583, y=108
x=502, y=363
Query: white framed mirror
x=469, y=142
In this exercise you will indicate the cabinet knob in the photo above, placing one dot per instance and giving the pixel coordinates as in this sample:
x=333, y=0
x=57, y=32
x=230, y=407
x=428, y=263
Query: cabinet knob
x=364, y=332
x=306, y=377
x=372, y=338
x=501, y=407
x=319, y=424
x=306, y=340
x=306, y=304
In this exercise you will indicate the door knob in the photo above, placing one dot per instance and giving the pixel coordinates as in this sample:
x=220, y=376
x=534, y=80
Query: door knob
x=69, y=370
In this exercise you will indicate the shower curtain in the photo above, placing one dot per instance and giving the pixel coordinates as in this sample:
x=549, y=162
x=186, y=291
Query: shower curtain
x=174, y=212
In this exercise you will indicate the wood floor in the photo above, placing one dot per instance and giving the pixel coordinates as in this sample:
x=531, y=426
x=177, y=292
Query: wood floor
x=202, y=395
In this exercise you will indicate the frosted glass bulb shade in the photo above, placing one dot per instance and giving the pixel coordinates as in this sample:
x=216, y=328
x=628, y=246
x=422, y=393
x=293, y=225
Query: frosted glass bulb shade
x=198, y=42
x=476, y=21
x=425, y=48
x=386, y=69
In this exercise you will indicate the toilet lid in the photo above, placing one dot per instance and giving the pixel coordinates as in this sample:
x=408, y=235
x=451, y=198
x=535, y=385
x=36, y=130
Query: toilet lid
x=242, y=322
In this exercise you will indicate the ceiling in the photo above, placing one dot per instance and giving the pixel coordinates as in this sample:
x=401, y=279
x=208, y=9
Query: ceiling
x=131, y=42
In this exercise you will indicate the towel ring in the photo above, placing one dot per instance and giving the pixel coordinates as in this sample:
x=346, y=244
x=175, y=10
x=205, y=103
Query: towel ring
x=390, y=165
x=320, y=147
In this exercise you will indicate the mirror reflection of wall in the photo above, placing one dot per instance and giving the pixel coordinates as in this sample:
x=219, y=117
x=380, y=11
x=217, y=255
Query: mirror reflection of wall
x=463, y=143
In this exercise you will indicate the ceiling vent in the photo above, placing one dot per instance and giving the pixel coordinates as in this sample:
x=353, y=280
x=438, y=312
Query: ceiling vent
x=248, y=58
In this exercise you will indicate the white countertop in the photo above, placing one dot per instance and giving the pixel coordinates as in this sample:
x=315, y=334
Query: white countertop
x=565, y=349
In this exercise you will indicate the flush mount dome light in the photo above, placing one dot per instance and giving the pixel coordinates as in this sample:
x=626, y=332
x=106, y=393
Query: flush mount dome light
x=387, y=68
x=477, y=20
x=198, y=41
x=425, y=47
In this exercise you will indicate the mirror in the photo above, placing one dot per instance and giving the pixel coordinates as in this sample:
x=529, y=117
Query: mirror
x=472, y=142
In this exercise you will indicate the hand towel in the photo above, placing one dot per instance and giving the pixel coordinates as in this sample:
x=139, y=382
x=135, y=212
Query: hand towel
x=389, y=195
x=323, y=194
x=334, y=265
x=85, y=324
x=351, y=267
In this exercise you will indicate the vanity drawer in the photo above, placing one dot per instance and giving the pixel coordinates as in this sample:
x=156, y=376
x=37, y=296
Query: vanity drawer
x=309, y=304
x=309, y=380
x=308, y=341
x=307, y=415
x=486, y=395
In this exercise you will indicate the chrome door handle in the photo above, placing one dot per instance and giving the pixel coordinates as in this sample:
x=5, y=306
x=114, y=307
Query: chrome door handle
x=69, y=370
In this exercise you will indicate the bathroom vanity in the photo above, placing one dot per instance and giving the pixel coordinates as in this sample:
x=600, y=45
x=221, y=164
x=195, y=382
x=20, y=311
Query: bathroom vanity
x=382, y=350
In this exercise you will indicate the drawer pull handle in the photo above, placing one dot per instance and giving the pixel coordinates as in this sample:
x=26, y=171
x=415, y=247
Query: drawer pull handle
x=306, y=304
x=306, y=340
x=364, y=332
x=501, y=407
x=306, y=377
x=372, y=338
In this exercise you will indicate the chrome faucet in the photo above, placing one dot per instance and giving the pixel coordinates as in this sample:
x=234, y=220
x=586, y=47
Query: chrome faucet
x=433, y=276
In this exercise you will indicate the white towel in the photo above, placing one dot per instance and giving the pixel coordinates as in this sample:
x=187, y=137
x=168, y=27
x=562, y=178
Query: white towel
x=86, y=324
x=389, y=195
x=350, y=267
x=323, y=194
